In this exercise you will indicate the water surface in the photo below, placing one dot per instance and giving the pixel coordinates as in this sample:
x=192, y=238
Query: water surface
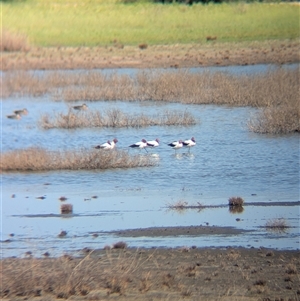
x=227, y=161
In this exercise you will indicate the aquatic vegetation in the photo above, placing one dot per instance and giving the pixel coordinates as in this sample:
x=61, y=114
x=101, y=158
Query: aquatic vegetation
x=66, y=208
x=277, y=119
x=236, y=202
x=38, y=159
x=277, y=224
x=179, y=205
x=115, y=118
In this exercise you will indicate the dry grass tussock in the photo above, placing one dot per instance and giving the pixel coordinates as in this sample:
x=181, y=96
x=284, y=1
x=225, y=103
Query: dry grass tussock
x=114, y=118
x=277, y=224
x=38, y=159
x=276, y=92
x=69, y=276
x=162, y=274
x=236, y=202
x=13, y=41
x=280, y=119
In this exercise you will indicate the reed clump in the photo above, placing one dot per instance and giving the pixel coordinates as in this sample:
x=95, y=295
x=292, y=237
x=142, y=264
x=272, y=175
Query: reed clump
x=276, y=92
x=277, y=224
x=274, y=88
x=39, y=159
x=277, y=119
x=114, y=118
x=179, y=205
x=66, y=208
x=10, y=41
x=236, y=202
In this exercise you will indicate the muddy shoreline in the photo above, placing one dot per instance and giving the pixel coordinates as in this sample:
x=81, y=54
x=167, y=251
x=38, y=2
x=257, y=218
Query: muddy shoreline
x=156, y=274
x=179, y=231
x=160, y=56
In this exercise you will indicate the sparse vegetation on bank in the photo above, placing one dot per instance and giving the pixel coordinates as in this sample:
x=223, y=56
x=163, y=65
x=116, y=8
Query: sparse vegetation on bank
x=13, y=41
x=38, y=159
x=160, y=274
x=114, y=118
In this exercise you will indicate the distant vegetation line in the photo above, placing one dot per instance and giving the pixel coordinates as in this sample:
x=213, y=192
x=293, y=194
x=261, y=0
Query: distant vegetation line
x=92, y=23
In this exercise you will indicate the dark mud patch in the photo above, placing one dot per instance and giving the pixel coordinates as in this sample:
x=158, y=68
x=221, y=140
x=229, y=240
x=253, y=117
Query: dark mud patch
x=179, y=231
x=258, y=204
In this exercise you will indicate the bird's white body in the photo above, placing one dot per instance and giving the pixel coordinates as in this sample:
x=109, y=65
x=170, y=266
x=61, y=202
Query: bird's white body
x=141, y=144
x=176, y=144
x=109, y=145
x=153, y=143
x=189, y=143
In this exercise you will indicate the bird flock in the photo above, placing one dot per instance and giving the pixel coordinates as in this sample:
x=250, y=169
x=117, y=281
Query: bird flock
x=17, y=114
x=110, y=145
x=144, y=144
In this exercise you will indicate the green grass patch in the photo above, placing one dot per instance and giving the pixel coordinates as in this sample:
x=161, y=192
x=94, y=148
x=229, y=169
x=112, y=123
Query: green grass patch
x=91, y=23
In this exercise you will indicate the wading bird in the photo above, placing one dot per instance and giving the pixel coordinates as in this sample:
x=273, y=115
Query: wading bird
x=153, y=143
x=176, y=145
x=141, y=145
x=82, y=107
x=189, y=143
x=21, y=112
x=108, y=145
x=14, y=116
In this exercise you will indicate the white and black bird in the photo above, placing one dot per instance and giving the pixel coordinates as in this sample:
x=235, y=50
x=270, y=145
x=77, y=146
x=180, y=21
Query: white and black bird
x=153, y=143
x=109, y=145
x=176, y=144
x=189, y=143
x=140, y=145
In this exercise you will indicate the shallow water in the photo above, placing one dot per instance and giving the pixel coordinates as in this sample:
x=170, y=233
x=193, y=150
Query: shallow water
x=227, y=161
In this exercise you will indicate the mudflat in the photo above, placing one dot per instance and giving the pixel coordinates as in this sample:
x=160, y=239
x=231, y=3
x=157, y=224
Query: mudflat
x=117, y=55
x=186, y=273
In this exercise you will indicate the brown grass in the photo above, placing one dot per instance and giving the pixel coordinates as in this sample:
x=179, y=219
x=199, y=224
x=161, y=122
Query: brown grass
x=277, y=119
x=236, y=202
x=13, y=41
x=277, y=224
x=38, y=159
x=273, y=88
x=179, y=205
x=141, y=274
x=275, y=92
x=114, y=118
x=66, y=208
x=120, y=245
